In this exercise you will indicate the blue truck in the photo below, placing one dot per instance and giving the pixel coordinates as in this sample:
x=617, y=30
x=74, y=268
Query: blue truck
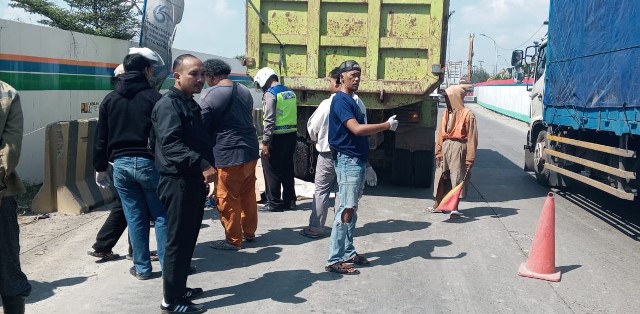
x=585, y=102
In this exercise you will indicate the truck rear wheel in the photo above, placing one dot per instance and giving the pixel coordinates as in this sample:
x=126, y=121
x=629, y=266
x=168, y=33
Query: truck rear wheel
x=412, y=168
x=304, y=160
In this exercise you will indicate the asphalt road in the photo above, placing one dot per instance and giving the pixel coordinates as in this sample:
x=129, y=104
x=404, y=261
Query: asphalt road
x=421, y=263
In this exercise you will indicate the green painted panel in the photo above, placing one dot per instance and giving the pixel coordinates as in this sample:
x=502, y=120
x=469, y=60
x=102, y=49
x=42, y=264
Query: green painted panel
x=508, y=113
x=293, y=64
x=403, y=64
x=343, y=19
x=331, y=57
x=36, y=81
x=405, y=21
x=284, y=17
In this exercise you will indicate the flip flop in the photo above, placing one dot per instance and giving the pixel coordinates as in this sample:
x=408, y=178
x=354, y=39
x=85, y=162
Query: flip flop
x=432, y=210
x=359, y=260
x=308, y=234
x=455, y=215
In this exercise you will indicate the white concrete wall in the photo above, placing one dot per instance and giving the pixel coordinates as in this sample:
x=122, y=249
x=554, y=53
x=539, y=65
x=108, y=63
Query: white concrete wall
x=510, y=100
x=42, y=107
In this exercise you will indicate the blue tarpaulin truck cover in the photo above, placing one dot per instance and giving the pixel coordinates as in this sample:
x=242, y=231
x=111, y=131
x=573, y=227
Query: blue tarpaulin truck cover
x=592, y=77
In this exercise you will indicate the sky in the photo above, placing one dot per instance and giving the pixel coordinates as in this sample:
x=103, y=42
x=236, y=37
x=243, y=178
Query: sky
x=218, y=27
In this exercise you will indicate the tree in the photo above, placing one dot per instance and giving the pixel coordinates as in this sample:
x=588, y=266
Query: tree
x=109, y=18
x=479, y=75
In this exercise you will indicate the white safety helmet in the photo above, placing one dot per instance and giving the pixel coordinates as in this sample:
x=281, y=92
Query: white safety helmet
x=118, y=70
x=145, y=52
x=263, y=76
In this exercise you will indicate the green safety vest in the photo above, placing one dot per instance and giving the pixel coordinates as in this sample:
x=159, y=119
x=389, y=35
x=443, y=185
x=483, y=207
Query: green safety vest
x=286, y=110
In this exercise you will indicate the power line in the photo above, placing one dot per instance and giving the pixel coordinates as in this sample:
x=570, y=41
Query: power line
x=526, y=41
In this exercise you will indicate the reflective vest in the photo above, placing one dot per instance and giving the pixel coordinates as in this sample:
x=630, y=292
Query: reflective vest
x=286, y=110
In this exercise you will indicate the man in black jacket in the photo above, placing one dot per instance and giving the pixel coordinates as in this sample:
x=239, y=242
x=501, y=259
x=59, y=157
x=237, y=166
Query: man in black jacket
x=184, y=157
x=122, y=138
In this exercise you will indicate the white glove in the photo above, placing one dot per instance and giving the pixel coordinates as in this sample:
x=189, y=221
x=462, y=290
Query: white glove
x=102, y=179
x=393, y=123
x=370, y=176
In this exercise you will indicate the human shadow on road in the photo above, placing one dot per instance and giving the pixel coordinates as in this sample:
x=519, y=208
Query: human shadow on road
x=422, y=248
x=476, y=213
x=279, y=286
x=42, y=290
x=390, y=226
x=220, y=260
x=283, y=236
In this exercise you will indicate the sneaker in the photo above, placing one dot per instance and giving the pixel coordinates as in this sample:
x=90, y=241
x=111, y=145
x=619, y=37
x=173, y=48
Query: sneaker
x=269, y=208
x=223, y=245
x=192, y=293
x=133, y=273
x=181, y=305
x=455, y=215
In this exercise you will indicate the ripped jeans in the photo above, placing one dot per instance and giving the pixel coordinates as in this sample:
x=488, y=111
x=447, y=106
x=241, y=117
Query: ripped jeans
x=350, y=175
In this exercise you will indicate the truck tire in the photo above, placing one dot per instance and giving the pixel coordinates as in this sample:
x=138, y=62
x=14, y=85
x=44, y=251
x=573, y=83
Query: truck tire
x=422, y=168
x=542, y=174
x=412, y=169
x=401, y=167
x=303, y=165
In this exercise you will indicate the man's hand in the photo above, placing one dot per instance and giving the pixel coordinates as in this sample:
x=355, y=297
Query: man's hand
x=370, y=176
x=209, y=174
x=393, y=123
x=265, y=151
x=102, y=179
x=469, y=164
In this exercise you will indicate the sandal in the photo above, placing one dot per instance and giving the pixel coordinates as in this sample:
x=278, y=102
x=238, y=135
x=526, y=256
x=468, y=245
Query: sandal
x=433, y=210
x=455, y=215
x=342, y=268
x=223, y=245
x=306, y=233
x=359, y=260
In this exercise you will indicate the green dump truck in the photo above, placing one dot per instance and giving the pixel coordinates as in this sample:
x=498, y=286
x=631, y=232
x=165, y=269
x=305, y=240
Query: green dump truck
x=400, y=45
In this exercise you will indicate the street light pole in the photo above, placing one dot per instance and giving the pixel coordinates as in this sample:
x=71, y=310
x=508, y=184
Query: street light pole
x=495, y=46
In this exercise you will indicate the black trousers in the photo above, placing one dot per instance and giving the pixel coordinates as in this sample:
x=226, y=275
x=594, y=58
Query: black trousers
x=278, y=170
x=13, y=282
x=184, y=200
x=112, y=229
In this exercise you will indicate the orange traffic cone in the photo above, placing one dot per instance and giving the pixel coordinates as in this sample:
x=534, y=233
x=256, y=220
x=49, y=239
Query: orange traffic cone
x=541, y=263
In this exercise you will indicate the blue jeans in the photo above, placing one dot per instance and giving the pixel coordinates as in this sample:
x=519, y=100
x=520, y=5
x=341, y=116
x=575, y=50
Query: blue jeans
x=136, y=180
x=350, y=174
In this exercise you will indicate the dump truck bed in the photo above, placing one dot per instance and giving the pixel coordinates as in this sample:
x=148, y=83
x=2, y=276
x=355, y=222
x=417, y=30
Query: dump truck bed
x=398, y=43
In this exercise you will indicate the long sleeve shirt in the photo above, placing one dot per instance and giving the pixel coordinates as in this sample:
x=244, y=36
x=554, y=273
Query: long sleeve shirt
x=11, y=128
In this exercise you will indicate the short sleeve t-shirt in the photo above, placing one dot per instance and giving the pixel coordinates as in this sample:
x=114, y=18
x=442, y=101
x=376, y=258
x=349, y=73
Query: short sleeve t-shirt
x=344, y=108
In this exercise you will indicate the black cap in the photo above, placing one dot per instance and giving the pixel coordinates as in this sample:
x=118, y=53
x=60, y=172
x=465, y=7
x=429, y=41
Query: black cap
x=349, y=65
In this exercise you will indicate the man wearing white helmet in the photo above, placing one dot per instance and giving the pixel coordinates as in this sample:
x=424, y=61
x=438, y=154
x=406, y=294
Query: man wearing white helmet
x=278, y=140
x=124, y=144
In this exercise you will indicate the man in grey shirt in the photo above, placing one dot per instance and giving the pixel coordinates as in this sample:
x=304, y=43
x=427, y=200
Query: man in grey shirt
x=227, y=115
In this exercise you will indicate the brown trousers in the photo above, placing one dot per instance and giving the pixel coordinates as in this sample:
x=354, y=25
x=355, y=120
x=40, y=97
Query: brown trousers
x=236, y=201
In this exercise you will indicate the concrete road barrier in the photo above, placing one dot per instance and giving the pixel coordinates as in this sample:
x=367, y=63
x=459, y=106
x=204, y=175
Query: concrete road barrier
x=69, y=184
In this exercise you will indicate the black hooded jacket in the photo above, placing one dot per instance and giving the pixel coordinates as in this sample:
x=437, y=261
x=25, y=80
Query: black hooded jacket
x=125, y=120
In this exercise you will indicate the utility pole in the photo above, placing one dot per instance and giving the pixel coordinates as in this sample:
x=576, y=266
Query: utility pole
x=470, y=59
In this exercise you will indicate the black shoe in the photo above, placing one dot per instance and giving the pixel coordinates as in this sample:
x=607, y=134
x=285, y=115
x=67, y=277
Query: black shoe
x=182, y=305
x=289, y=205
x=269, y=208
x=192, y=293
x=133, y=273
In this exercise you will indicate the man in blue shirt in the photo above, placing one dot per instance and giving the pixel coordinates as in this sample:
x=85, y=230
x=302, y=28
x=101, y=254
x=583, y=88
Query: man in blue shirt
x=348, y=139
